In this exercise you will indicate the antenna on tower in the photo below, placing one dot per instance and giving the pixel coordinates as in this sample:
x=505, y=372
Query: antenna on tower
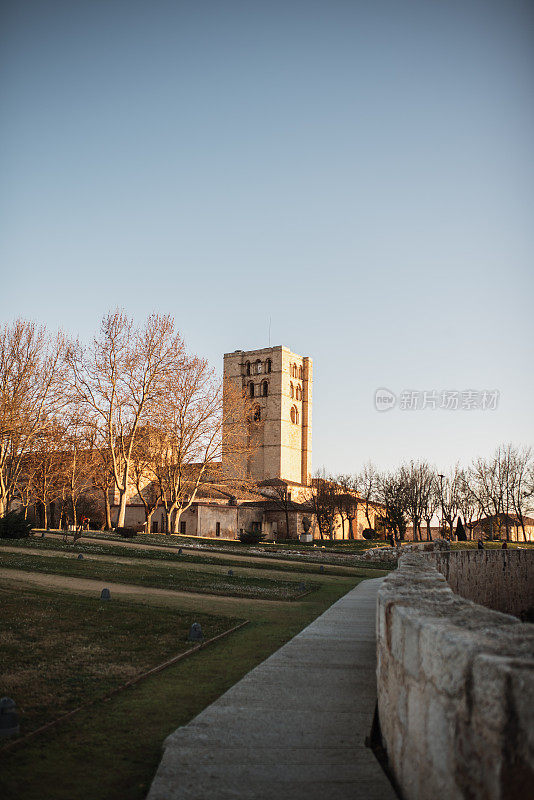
x=269, y=331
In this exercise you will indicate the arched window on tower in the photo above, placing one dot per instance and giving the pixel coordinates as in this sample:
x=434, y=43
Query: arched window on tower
x=300, y=372
x=299, y=392
x=291, y=389
x=268, y=365
x=247, y=368
x=264, y=389
x=258, y=367
x=294, y=414
x=251, y=389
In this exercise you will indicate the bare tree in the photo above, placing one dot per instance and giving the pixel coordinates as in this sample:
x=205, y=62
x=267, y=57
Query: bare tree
x=121, y=381
x=419, y=479
x=393, y=494
x=346, y=501
x=24, y=489
x=280, y=495
x=191, y=433
x=144, y=476
x=79, y=465
x=520, y=488
x=324, y=503
x=368, y=484
x=48, y=458
x=490, y=480
x=468, y=505
x=432, y=504
x=31, y=383
x=449, y=490
x=103, y=479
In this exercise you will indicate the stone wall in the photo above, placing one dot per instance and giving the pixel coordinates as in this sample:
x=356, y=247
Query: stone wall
x=455, y=687
x=499, y=579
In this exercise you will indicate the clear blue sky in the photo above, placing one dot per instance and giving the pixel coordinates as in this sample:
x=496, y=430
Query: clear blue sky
x=362, y=172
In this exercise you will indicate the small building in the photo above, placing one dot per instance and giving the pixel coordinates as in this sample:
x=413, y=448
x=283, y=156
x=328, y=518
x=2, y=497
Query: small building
x=504, y=526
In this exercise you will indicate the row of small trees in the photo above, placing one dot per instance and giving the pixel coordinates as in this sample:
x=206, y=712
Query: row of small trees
x=500, y=487
x=131, y=408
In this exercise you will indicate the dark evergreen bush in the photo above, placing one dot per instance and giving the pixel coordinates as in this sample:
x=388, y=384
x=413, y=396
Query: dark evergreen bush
x=128, y=533
x=460, y=531
x=14, y=526
x=369, y=533
x=251, y=537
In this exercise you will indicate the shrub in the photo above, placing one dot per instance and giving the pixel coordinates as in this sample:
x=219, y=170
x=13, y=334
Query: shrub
x=369, y=533
x=251, y=537
x=127, y=533
x=14, y=526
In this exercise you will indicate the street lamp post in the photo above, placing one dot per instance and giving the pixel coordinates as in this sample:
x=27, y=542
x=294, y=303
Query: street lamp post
x=441, y=497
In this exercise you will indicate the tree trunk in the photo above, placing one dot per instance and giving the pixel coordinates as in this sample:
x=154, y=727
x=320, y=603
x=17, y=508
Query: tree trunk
x=107, y=508
x=351, y=530
x=45, y=516
x=288, y=535
x=428, y=531
x=122, y=509
x=169, y=522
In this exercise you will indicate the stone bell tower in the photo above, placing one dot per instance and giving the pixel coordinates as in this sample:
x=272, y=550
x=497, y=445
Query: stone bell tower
x=278, y=384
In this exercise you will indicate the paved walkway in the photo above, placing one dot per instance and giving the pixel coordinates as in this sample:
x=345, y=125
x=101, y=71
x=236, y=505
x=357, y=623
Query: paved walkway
x=295, y=726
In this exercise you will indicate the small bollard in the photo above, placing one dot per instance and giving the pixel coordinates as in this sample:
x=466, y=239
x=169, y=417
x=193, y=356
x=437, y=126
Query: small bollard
x=195, y=633
x=9, y=719
x=230, y=572
x=105, y=594
x=43, y=535
x=80, y=556
x=179, y=551
x=321, y=568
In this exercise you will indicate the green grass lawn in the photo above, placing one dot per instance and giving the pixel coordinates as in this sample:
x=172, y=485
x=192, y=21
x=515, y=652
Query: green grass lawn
x=341, y=546
x=111, y=750
x=60, y=651
x=496, y=545
x=158, y=576
x=105, y=547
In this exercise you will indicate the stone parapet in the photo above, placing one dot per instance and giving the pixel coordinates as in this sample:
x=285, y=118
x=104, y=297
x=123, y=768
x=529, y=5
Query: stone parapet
x=499, y=579
x=455, y=689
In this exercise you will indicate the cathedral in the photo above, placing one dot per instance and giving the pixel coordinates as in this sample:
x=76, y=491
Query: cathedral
x=275, y=497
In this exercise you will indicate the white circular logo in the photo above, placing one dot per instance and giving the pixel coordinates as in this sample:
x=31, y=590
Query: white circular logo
x=384, y=400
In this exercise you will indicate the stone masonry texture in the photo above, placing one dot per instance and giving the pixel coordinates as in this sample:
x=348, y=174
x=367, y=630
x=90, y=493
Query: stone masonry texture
x=456, y=680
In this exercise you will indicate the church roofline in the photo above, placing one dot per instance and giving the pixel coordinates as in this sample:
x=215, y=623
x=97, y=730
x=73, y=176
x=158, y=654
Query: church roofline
x=259, y=350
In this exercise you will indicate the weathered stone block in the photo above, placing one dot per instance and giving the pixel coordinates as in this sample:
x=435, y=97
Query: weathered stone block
x=416, y=706
x=446, y=656
x=457, y=682
x=440, y=727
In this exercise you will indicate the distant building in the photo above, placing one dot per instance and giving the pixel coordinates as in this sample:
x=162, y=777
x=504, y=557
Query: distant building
x=278, y=384
x=496, y=527
x=268, y=487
